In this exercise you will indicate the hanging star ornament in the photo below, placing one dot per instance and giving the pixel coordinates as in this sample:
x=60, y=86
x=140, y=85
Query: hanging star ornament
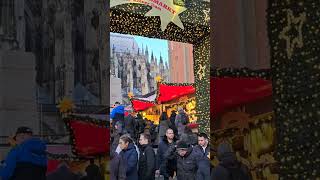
x=201, y=72
x=207, y=15
x=130, y=95
x=165, y=9
x=297, y=23
x=66, y=105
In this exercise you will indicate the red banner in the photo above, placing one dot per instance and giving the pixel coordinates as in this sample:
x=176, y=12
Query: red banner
x=139, y=105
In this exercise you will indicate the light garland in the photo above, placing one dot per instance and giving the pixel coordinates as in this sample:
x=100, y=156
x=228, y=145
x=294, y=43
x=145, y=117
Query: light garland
x=296, y=86
x=130, y=19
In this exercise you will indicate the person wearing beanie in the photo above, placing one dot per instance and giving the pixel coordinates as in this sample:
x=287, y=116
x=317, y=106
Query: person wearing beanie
x=229, y=168
x=187, y=160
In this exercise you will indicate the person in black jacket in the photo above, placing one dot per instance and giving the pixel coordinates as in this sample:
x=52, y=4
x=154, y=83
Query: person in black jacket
x=130, y=124
x=229, y=168
x=147, y=160
x=187, y=160
x=165, y=166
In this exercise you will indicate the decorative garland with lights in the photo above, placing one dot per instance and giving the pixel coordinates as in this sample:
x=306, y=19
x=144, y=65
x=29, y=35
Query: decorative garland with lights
x=66, y=157
x=130, y=19
x=293, y=29
x=242, y=72
x=100, y=123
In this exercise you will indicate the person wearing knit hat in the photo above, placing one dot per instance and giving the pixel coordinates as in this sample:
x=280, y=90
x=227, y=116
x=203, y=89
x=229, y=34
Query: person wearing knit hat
x=187, y=161
x=229, y=167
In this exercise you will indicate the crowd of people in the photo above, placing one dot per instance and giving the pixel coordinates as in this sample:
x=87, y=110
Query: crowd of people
x=141, y=150
x=27, y=160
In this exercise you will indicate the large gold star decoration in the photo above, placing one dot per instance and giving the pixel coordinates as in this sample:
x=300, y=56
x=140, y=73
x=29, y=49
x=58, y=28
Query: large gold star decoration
x=201, y=72
x=165, y=9
x=158, y=79
x=297, y=23
x=130, y=95
x=207, y=15
x=66, y=105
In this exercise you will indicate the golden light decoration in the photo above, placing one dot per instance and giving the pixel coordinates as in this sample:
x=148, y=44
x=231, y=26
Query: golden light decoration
x=131, y=19
x=297, y=23
x=165, y=9
x=158, y=79
x=66, y=105
x=130, y=95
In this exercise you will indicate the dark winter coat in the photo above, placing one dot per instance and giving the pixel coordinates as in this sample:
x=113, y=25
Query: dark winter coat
x=63, y=173
x=180, y=126
x=115, y=141
x=130, y=124
x=200, y=150
x=118, y=166
x=204, y=164
x=147, y=163
x=190, y=139
x=27, y=161
x=93, y=172
x=230, y=169
x=166, y=166
x=187, y=166
x=131, y=157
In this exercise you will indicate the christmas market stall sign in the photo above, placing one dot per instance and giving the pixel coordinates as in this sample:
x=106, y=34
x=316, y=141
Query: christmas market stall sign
x=186, y=22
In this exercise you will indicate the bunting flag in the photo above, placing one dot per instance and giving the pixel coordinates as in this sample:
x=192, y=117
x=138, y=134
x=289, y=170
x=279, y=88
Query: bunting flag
x=141, y=105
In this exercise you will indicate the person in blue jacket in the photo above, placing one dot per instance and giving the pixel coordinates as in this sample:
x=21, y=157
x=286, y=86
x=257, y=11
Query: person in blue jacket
x=117, y=114
x=130, y=154
x=27, y=160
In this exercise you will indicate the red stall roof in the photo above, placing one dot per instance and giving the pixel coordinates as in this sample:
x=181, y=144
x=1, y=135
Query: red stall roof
x=230, y=92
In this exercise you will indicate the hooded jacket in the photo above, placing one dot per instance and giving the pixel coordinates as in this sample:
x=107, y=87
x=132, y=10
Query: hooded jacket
x=26, y=161
x=131, y=157
x=229, y=167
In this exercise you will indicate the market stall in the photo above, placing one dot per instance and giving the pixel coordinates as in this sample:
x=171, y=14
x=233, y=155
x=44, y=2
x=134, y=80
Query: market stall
x=242, y=114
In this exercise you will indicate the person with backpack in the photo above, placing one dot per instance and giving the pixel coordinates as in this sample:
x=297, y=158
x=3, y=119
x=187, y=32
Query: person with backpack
x=27, y=160
x=182, y=119
x=229, y=168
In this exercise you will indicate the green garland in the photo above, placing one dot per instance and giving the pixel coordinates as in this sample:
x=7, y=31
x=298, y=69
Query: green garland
x=294, y=37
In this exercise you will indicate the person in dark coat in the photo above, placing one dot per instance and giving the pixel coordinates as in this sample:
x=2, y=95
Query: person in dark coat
x=140, y=125
x=63, y=172
x=93, y=171
x=164, y=125
x=118, y=166
x=203, y=150
x=130, y=124
x=182, y=119
x=189, y=137
x=147, y=160
x=130, y=155
x=229, y=168
x=26, y=161
x=187, y=160
x=173, y=124
x=117, y=114
x=115, y=136
x=165, y=166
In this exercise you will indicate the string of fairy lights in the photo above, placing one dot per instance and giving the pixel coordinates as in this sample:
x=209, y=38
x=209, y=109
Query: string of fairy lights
x=130, y=19
x=293, y=28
